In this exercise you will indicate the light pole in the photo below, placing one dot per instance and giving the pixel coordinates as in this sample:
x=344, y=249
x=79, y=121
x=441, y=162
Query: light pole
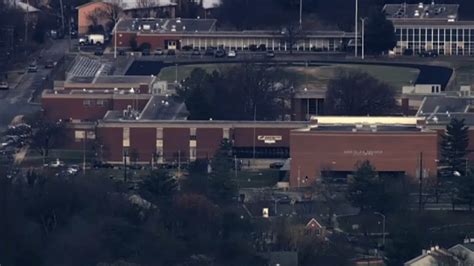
x=356, y=29
x=301, y=14
x=383, y=227
x=363, y=37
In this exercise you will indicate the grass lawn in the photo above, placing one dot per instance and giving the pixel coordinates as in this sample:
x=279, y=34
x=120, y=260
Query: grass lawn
x=317, y=77
x=255, y=179
x=169, y=73
x=312, y=77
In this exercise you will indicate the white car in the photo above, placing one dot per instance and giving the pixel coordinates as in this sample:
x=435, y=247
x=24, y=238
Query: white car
x=56, y=164
x=3, y=85
x=232, y=53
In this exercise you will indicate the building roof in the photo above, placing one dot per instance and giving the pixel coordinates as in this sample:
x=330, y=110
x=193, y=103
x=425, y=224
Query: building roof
x=23, y=6
x=133, y=4
x=442, y=12
x=436, y=104
x=166, y=25
x=435, y=256
x=367, y=120
x=365, y=124
x=116, y=79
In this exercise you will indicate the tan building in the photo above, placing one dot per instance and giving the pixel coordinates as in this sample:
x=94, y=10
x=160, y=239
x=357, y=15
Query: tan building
x=129, y=8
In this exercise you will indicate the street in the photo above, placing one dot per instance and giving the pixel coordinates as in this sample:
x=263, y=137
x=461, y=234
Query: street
x=14, y=101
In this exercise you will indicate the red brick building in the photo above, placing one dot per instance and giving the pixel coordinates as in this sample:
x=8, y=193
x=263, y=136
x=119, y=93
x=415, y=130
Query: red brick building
x=337, y=144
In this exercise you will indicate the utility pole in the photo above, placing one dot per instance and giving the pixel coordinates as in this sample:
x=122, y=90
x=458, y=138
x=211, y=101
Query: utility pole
x=363, y=37
x=235, y=166
x=27, y=19
x=301, y=14
x=254, y=133
x=356, y=29
x=179, y=163
x=84, y=153
x=62, y=15
x=420, y=189
x=125, y=154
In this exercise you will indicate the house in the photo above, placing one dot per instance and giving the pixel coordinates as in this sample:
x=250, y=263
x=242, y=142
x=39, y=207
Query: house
x=465, y=251
x=435, y=256
x=93, y=12
x=315, y=228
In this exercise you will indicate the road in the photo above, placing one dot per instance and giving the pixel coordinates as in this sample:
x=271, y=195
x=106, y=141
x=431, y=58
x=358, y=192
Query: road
x=15, y=101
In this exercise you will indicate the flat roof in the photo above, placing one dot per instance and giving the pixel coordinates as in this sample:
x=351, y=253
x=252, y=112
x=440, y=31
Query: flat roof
x=165, y=25
x=203, y=27
x=367, y=128
x=444, y=104
x=116, y=79
x=421, y=11
x=367, y=120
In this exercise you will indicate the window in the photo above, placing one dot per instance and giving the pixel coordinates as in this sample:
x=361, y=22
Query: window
x=192, y=133
x=86, y=102
x=226, y=133
x=159, y=133
x=79, y=135
x=126, y=137
x=100, y=102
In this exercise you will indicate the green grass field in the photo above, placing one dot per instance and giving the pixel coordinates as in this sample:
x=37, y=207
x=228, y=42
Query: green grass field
x=311, y=77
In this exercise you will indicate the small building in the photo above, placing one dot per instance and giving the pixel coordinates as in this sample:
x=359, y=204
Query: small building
x=313, y=227
x=464, y=251
x=97, y=10
x=435, y=256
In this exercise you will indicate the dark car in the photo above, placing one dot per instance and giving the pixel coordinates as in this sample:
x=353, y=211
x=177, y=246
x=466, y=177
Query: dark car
x=171, y=52
x=209, y=51
x=270, y=54
x=276, y=165
x=253, y=48
x=122, y=52
x=220, y=53
x=145, y=52
x=187, y=48
x=99, y=52
x=196, y=51
x=429, y=53
x=49, y=64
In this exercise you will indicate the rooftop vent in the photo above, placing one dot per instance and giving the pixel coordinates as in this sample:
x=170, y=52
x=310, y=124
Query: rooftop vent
x=146, y=27
x=420, y=5
x=178, y=20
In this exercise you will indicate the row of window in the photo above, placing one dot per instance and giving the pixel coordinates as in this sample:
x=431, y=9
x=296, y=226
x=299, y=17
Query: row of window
x=90, y=102
x=432, y=34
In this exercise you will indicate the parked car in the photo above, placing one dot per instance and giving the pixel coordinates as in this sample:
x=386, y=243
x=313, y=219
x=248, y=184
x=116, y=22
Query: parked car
x=187, y=48
x=4, y=85
x=146, y=52
x=33, y=67
x=220, y=53
x=209, y=51
x=270, y=54
x=158, y=51
x=196, y=51
x=99, y=52
x=83, y=41
x=73, y=170
x=122, y=52
x=232, y=54
x=276, y=165
x=428, y=53
x=49, y=64
x=171, y=52
x=55, y=164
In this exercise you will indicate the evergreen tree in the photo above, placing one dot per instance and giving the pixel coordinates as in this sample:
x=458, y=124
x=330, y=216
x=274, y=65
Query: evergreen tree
x=454, y=144
x=366, y=188
x=380, y=33
x=222, y=187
